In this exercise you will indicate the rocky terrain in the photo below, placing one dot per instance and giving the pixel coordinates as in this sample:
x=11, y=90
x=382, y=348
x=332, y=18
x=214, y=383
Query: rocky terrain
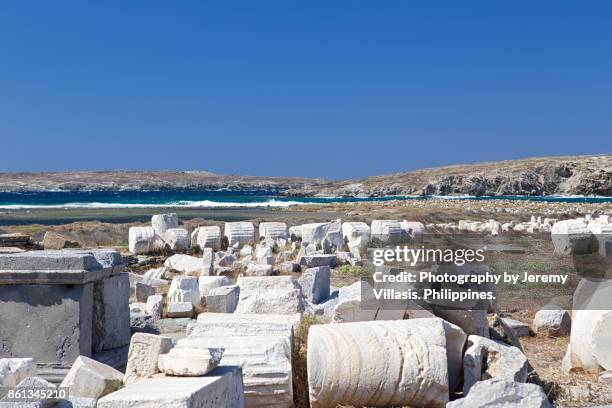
x=571, y=175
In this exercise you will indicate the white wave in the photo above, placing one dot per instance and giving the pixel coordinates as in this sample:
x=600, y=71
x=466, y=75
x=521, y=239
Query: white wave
x=177, y=204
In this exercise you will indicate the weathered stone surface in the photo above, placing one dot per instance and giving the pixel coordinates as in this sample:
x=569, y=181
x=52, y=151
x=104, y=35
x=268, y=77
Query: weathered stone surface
x=263, y=254
x=295, y=233
x=206, y=283
x=273, y=230
x=179, y=309
x=241, y=233
x=220, y=388
x=471, y=321
x=163, y=222
x=208, y=262
x=386, y=231
x=413, y=230
x=189, y=362
x=143, y=323
x=552, y=321
x=155, y=306
x=486, y=358
x=174, y=325
x=90, y=379
x=227, y=260
x=209, y=237
x=315, y=284
x=66, y=311
x=185, y=289
x=32, y=383
x=314, y=260
x=288, y=268
x=143, y=291
x=313, y=233
x=187, y=264
x=354, y=230
x=260, y=344
x=13, y=371
x=223, y=299
x=156, y=273
x=572, y=237
x=111, y=313
x=143, y=354
x=406, y=364
x=520, y=329
x=53, y=240
x=255, y=269
x=177, y=239
x=143, y=240
x=497, y=392
x=269, y=294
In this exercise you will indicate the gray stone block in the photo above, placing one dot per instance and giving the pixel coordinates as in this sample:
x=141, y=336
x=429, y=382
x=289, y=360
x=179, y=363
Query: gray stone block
x=111, y=313
x=50, y=323
x=143, y=291
x=311, y=261
x=315, y=284
x=223, y=299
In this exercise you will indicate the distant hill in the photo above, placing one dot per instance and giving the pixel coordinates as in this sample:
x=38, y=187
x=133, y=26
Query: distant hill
x=570, y=175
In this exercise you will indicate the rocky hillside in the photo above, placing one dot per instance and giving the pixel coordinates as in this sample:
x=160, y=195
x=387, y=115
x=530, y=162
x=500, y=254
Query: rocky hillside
x=587, y=175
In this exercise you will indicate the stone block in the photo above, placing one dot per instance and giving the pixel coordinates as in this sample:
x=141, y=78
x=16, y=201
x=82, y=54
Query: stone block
x=155, y=306
x=163, y=222
x=143, y=355
x=189, y=362
x=241, y=233
x=315, y=284
x=273, y=230
x=269, y=294
x=90, y=379
x=111, y=313
x=13, y=371
x=314, y=260
x=179, y=309
x=186, y=264
x=223, y=299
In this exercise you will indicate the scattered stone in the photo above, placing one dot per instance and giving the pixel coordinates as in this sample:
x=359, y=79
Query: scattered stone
x=269, y=294
x=186, y=264
x=143, y=291
x=209, y=237
x=497, y=392
x=414, y=230
x=220, y=388
x=174, y=325
x=232, y=325
x=163, y=222
x=314, y=283
x=179, y=309
x=407, y=367
x=314, y=260
x=185, y=289
x=246, y=250
x=552, y=321
x=273, y=230
x=155, y=306
x=241, y=233
x=157, y=273
x=111, y=313
x=53, y=240
x=289, y=267
x=143, y=240
x=572, y=237
x=223, y=299
x=206, y=283
x=255, y=269
x=227, y=260
x=13, y=371
x=90, y=379
x=605, y=376
x=520, y=329
x=189, y=362
x=177, y=239
x=485, y=358
x=143, y=355
x=386, y=231
x=264, y=255
x=143, y=323
x=44, y=388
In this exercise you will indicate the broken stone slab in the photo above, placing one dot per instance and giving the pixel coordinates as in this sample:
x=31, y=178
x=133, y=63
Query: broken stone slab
x=314, y=260
x=208, y=262
x=289, y=267
x=174, y=325
x=313, y=233
x=186, y=264
x=246, y=250
x=179, y=309
x=241, y=233
x=255, y=269
x=497, y=392
x=263, y=254
x=220, y=388
x=405, y=364
x=163, y=222
x=143, y=291
x=63, y=267
x=231, y=325
x=314, y=283
x=209, y=237
x=155, y=306
x=90, y=379
x=572, y=237
x=269, y=294
x=111, y=313
x=223, y=299
x=144, y=352
x=144, y=240
x=53, y=240
x=185, y=289
x=273, y=230
x=189, y=362
x=353, y=230
x=552, y=321
x=520, y=329
x=177, y=239
x=156, y=273
x=13, y=371
x=485, y=358
x=32, y=384
x=386, y=231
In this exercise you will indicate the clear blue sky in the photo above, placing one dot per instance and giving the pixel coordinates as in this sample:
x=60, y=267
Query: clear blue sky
x=335, y=89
